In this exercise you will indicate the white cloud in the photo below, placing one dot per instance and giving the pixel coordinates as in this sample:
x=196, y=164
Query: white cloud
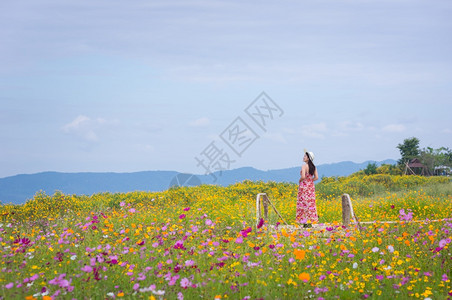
x=85, y=127
x=200, y=122
x=314, y=130
x=394, y=128
x=345, y=127
x=76, y=123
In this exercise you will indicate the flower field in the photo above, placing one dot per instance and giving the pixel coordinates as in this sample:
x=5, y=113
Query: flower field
x=203, y=243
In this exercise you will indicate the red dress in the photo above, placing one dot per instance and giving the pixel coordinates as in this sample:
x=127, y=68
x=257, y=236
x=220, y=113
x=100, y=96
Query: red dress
x=306, y=208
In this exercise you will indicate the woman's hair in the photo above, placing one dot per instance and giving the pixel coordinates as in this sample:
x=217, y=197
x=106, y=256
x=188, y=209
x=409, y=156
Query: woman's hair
x=311, y=165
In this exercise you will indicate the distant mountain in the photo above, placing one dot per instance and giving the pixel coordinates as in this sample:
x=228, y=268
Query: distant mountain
x=17, y=189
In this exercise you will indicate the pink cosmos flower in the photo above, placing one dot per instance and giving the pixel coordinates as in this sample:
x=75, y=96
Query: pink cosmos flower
x=185, y=283
x=189, y=263
x=405, y=217
x=87, y=269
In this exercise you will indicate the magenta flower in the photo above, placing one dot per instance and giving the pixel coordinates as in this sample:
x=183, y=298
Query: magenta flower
x=380, y=277
x=261, y=223
x=187, y=209
x=182, y=216
x=179, y=245
x=245, y=232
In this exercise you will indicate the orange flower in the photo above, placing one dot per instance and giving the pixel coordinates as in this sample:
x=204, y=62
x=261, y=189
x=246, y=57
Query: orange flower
x=304, y=277
x=299, y=254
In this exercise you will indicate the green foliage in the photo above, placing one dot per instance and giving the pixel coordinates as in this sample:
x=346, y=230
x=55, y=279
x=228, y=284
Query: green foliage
x=437, y=161
x=367, y=185
x=371, y=169
x=408, y=150
x=389, y=169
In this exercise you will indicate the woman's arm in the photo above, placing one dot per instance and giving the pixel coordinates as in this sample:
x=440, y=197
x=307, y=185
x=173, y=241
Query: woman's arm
x=316, y=175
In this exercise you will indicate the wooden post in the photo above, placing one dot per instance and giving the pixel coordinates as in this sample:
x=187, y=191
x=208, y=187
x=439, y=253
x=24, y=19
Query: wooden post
x=258, y=207
x=346, y=210
x=265, y=203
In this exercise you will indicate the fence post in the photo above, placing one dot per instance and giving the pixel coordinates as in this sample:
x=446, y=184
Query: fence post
x=265, y=203
x=258, y=207
x=346, y=210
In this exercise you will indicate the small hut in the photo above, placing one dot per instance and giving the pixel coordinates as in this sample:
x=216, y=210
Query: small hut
x=415, y=167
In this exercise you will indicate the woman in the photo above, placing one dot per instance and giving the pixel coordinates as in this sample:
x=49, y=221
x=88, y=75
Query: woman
x=306, y=208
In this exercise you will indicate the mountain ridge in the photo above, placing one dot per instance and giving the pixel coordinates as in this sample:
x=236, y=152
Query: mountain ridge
x=18, y=188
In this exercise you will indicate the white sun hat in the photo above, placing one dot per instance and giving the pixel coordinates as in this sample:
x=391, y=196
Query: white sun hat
x=310, y=155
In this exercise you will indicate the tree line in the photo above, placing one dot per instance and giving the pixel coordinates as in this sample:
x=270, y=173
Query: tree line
x=435, y=161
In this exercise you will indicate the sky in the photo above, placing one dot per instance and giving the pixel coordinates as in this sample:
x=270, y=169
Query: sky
x=125, y=86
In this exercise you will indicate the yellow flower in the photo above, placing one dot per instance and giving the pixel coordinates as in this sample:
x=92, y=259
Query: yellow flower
x=290, y=281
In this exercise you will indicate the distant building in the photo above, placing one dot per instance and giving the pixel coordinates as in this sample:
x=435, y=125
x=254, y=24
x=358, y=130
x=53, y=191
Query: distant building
x=442, y=171
x=415, y=167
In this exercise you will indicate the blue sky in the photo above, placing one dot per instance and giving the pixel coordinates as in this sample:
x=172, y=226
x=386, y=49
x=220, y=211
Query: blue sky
x=127, y=86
